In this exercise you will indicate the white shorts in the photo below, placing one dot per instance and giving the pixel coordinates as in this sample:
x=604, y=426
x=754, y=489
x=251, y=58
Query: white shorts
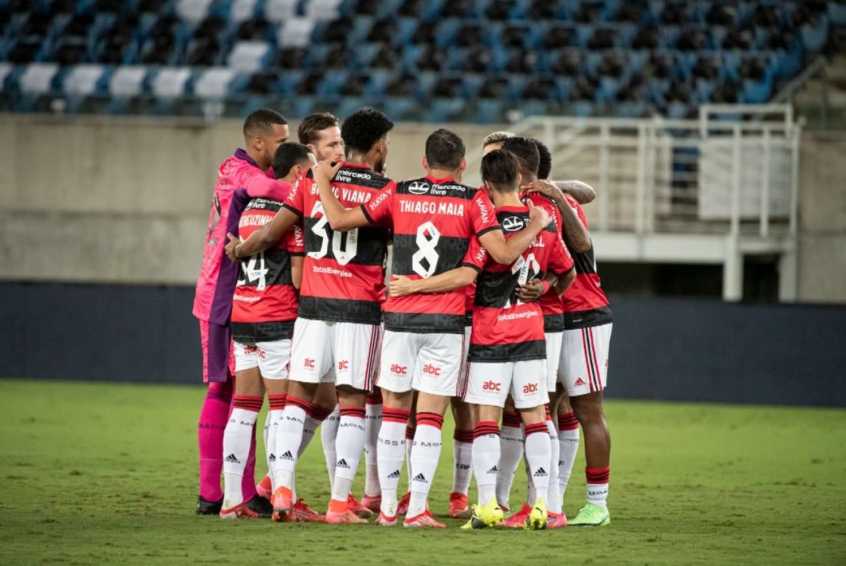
x=490, y=383
x=553, y=355
x=429, y=363
x=272, y=358
x=344, y=352
x=465, y=365
x=584, y=359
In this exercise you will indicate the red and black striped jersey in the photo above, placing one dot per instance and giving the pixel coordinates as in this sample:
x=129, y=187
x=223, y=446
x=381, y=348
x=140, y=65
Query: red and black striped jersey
x=265, y=302
x=433, y=223
x=504, y=328
x=585, y=304
x=550, y=303
x=343, y=272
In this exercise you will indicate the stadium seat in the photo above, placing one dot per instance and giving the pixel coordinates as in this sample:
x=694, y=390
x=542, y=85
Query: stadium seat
x=170, y=82
x=242, y=10
x=295, y=32
x=280, y=10
x=214, y=83
x=193, y=10
x=83, y=79
x=249, y=56
x=38, y=78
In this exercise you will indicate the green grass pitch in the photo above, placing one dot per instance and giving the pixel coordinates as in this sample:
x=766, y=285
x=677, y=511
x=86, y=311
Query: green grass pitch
x=105, y=473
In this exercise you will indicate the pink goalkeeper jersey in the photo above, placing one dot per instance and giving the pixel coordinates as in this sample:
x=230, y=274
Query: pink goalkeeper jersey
x=213, y=297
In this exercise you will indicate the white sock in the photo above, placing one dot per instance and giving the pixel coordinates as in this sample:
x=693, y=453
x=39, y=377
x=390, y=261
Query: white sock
x=372, y=424
x=270, y=444
x=328, y=432
x=390, y=452
x=424, y=460
x=539, y=457
x=554, y=495
x=568, y=447
x=267, y=423
x=511, y=446
x=348, y=446
x=289, y=436
x=462, y=455
x=597, y=485
x=309, y=429
x=237, y=438
x=486, y=456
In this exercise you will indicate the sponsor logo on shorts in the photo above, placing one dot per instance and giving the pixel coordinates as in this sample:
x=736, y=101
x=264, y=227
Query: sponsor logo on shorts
x=579, y=382
x=343, y=364
x=250, y=349
x=397, y=369
x=309, y=363
x=492, y=386
x=530, y=388
x=431, y=370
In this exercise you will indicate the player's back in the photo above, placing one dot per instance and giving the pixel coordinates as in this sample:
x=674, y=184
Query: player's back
x=265, y=295
x=233, y=173
x=343, y=272
x=433, y=223
x=585, y=302
x=505, y=328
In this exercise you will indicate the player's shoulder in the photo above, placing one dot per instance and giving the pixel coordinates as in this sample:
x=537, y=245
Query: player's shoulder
x=513, y=218
x=362, y=176
x=427, y=186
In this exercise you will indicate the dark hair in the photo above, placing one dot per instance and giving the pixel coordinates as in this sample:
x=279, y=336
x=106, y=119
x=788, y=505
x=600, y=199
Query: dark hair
x=307, y=132
x=526, y=153
x=287, y=155
x=545, y=163
x=444, y=150
x=499, y=169
x=262, y=121
x=364, y=128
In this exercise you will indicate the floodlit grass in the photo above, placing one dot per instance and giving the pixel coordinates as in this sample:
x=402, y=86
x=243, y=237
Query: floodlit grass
x=104, y=473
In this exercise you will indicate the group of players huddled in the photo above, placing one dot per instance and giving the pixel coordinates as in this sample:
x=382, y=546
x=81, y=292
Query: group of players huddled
x=493, y=307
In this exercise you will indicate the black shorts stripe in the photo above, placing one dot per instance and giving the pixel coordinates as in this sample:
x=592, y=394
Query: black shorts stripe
x=340, y=310
x=252, y=332
x=424, y=323
x=553, y=323
x=586, y=319
x=531, y=350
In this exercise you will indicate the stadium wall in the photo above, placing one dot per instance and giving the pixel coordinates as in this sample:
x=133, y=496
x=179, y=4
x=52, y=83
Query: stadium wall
x=126, y=200
x=661, y=349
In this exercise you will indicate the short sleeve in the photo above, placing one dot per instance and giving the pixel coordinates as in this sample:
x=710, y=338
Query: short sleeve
x=378, y=209
x=560, y=260
x=294, y=202
x=476, y=255
x=295, y=240
x=482, y=214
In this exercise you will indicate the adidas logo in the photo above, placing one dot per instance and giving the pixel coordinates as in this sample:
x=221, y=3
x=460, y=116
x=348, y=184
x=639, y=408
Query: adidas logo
x=493, y=470
x=287, y=456
x=421, y=478
x=394, y=475
x=540, y=473
x=272, y=457
x=579, y=381
x=232, y=459
x=342, y=464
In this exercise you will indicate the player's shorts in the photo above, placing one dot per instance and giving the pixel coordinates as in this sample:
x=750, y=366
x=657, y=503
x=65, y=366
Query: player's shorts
x=272, y=358
x=218, y=357
x=553, y=356
x=491, y=383
x=465, y=365
x=429, y=363
x=344, y=352
x=584, y=359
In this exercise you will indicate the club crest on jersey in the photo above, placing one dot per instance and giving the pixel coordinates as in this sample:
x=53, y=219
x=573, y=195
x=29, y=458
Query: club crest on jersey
x=418, y=188
x=512, y=223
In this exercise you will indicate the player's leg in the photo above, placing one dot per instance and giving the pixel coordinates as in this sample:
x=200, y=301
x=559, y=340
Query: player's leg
x=436, y=381
x=372, y=425
x=529, y=391
x=356, y=349
x=462, y=454
x=239, y=432
x=511, y=453
x=587, y=407
x=395, y=373
x=462, y=447
x=277, y=393
x=568, y=440
x=327, y=398
x=487, y=388
x=213, y=415
x=572, y=379
x=554, y=341
x=311, y=362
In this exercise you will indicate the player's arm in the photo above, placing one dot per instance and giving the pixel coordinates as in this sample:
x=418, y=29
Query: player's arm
x=506, y=251
x=582, y=192
x=535, y=288
x=564, y=281
x=265, y=237
x=574, y=232
x=261, y=186
x=297, y=270
x=340, y=219
x=451, y=280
